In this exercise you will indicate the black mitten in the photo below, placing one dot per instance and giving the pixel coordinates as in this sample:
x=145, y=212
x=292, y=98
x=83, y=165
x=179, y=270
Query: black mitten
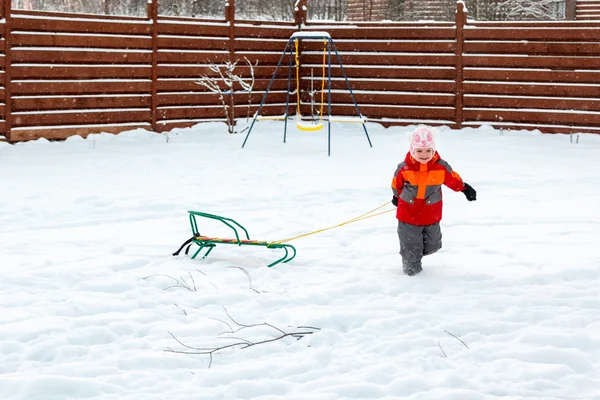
x=469, y=192
x=395, y=201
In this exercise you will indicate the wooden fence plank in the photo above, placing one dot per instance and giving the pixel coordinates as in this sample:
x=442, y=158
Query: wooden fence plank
x=55, y=14
x=167, y=27
x=409, y=46
x=385, y=98
x=261, y=58
x=479, y=101
x=80, y=72
x=471, y=60
x=192, y=43
x=386, y=59
x=385, y=33
x=191, y=85
x=190, y=113
x=398, y=112
x=537, y=48
x=525, y=89
x=195, y=70
x=532, y=75
x=259, y=45
x=30, y=103
x=406, y=72
x=79, y=87
x=40, y=24
x=80, y=57
x=265, y=32
x=192, y=99
x=524, y=33
x=473, y=24
x=197, y=57
x=74, y=40
x=394, y=86
x=77, y=118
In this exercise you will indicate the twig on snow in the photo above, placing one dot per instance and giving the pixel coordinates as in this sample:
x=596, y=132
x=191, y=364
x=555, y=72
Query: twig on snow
x=239, y=342
x=247, y=275
x=457, y=338
x=440, y=346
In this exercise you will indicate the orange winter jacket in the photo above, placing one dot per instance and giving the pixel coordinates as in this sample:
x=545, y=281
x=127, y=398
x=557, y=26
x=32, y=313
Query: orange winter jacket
x=419, y=189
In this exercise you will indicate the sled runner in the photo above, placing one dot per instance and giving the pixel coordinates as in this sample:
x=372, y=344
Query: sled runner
x=209, y=243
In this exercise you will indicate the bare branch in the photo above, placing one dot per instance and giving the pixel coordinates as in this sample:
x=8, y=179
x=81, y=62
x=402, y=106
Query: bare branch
x=193, y=281
x=443, y=352
x=220, y=320
x=247, y=275
x=239, y=342
x=231, y=318
x=453, y=335
x=184, y=312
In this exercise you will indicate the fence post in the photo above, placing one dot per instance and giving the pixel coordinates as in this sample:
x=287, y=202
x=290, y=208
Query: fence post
x=153, y=16
x=461, y=20
x=230, y=17
x=300, y=14
x=571, y=10
x=7, y=69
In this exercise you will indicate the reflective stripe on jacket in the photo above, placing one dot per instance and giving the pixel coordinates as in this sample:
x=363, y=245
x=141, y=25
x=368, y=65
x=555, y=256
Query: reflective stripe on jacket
x=419, y=189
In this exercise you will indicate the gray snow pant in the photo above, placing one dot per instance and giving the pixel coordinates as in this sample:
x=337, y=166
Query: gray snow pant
x=417, y=241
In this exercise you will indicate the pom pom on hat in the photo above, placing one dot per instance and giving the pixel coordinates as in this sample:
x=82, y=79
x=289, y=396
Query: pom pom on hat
x=422, y=138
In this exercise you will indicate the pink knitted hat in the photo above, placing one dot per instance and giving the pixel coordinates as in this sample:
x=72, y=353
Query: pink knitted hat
x=422, y=138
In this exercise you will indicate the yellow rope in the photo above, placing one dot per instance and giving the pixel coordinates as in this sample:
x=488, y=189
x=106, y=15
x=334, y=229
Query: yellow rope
x=361, y=217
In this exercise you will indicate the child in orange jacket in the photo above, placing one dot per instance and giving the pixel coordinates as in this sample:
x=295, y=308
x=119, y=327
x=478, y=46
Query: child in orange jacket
x=417, y=188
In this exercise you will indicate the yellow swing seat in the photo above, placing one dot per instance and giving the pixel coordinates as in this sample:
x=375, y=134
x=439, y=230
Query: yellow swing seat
x=303, y=126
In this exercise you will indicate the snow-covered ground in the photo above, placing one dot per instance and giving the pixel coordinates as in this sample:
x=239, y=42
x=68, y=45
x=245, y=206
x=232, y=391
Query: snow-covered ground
x=88, y=289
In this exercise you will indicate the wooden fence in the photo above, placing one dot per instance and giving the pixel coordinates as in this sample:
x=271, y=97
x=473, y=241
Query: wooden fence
x=588, y=10
x=66, y=74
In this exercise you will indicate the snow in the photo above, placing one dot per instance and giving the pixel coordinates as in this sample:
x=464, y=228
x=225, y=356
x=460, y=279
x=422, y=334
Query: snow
x=509, y=308
x=311, y=34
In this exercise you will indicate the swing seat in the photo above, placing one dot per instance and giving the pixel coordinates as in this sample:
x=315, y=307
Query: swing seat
x=209, y=243
x=303, y=126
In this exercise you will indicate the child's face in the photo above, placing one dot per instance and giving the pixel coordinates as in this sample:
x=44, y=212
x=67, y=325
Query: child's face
x=423, y=155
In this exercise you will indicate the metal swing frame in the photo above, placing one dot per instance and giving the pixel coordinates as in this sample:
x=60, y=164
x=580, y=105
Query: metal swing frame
x=289, y=49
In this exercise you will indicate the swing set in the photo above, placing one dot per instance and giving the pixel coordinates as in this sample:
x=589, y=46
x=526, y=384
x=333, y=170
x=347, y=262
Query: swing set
x=304, y=123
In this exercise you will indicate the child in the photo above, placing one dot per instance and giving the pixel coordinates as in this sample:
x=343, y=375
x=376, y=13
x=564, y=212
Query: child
x=417, y=187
